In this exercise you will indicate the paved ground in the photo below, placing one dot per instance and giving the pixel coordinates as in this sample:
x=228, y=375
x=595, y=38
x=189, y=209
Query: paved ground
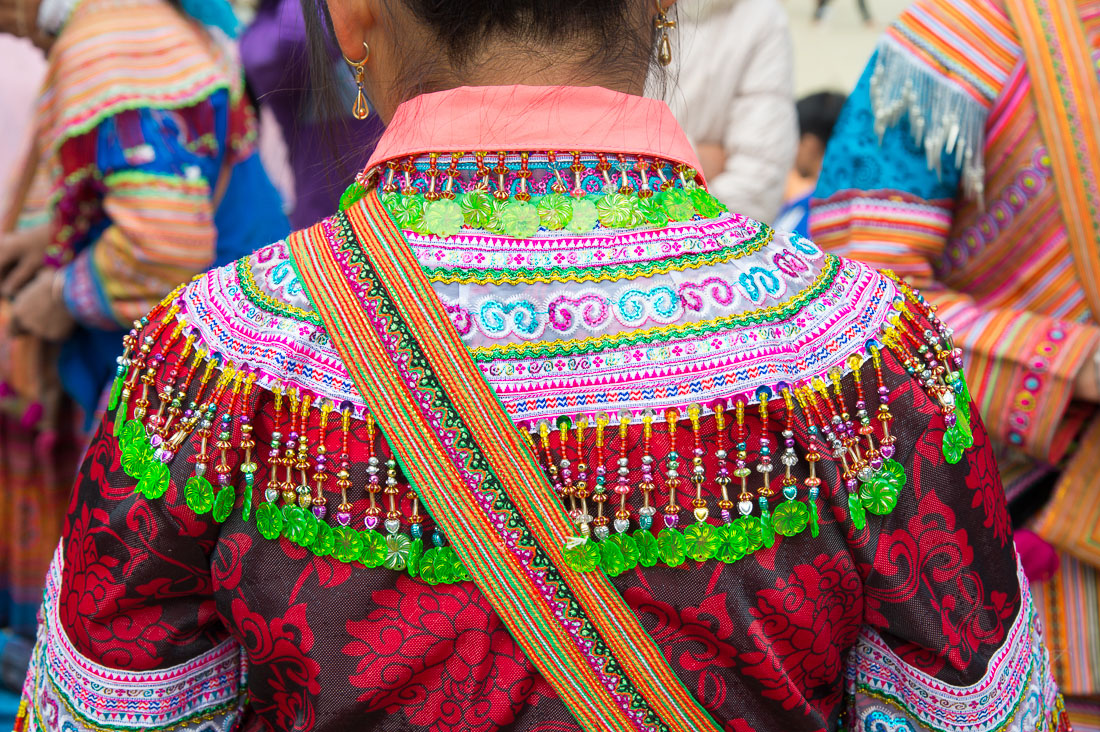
x=832, y=54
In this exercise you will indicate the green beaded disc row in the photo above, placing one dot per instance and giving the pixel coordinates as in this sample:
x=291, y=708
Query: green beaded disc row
x=369, y=548
x=479, y=210
x=700, y=541
x=737, y=539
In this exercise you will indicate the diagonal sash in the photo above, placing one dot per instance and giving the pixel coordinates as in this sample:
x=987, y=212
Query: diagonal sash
x=477, y=477
x=1067, y=99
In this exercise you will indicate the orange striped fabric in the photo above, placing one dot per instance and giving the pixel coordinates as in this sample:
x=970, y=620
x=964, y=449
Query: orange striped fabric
x=971, y=43
x=1006, y=277
x=162, y=232
x=112, y=52
x=1066, y=91
x=1073, y=593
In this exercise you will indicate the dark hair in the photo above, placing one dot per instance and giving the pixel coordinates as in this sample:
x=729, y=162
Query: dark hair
x=818, y=113
x=616, y=34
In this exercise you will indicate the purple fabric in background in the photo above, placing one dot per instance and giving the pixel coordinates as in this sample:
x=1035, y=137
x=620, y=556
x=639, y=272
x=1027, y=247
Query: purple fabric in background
x=324, y=154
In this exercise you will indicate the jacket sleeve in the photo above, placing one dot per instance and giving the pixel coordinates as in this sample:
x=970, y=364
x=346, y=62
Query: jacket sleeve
x=154, y=175
x=129, y=634
x=762, y=129
x=878, y=201
x=951, y=638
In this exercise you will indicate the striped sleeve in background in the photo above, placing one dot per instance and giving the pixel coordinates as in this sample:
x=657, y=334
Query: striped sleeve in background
x=933, y=172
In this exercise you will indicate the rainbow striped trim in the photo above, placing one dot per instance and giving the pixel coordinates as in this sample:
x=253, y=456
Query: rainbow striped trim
x=476, y=475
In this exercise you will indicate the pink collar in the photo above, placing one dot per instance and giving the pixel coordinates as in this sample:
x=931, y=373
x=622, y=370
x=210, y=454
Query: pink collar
x=533, y=118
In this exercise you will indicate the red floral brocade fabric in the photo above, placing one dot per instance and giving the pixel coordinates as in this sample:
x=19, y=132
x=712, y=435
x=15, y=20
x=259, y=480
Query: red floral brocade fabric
x=764, y=643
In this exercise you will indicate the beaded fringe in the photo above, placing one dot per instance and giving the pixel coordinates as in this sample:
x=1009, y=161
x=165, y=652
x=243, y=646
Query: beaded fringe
x=943, y=119
x=154, y=419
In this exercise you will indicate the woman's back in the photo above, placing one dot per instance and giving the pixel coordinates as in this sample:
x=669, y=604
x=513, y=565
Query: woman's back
x=749, y=437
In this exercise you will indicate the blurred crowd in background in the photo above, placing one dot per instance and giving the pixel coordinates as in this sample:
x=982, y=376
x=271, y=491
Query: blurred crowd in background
x=107, y=205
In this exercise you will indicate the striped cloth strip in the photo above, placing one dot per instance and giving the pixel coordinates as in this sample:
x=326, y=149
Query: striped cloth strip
x=443, y=479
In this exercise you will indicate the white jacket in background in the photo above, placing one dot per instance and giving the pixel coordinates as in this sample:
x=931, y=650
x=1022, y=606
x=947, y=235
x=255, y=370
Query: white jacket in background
x=731, y=83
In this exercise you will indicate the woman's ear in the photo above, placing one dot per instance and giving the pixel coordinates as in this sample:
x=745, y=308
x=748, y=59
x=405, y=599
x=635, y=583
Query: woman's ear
x=352, y=21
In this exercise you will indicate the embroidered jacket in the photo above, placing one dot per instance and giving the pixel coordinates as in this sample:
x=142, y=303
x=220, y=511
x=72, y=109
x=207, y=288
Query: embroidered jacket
x=770, y=450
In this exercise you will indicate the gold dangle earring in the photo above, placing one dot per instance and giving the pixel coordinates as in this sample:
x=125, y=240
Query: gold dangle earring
x=360, y=110
x=664, y=46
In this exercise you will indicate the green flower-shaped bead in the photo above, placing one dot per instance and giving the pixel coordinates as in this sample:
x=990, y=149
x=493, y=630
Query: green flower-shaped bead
x=407, y=211
x=790, y=518
x=455, y=572
x=858, y=513
x=880, y=494
x=324, y=542
x=443, y=217
x=955, y=444
x=224, y=502
x=199, y=494
x=416, y=551
x=519, y=219
x=617, y=210
x=629, y=549
x=584, y=216
x=135, y=457
x=677, y=204
x=652, y=212
x=269, y=521
x=347, y=544
x=132, y=432
x=478, y=208
x=702, y=541
x=705, y=204
x=352, y=195
x=374, y=550
x=673, y=547
x=154, y=480
x=300, y=526
x=426, y=570
x=397, y=551
x=746, y=535
x=555, y=211
x=583, y=558
x=730, y=543
x=648, y=551
x=611, y=558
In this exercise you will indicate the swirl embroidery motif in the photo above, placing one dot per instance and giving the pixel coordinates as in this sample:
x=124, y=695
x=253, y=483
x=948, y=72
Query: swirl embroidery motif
x=591, y=308
x=661, y=304
x=720, y=291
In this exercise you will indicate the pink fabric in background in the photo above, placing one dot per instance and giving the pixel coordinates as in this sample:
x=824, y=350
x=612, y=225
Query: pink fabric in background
x=22, y=67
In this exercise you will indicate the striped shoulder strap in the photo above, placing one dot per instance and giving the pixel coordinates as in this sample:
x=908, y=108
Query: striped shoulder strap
x=1066, y=86
x=475, y=473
